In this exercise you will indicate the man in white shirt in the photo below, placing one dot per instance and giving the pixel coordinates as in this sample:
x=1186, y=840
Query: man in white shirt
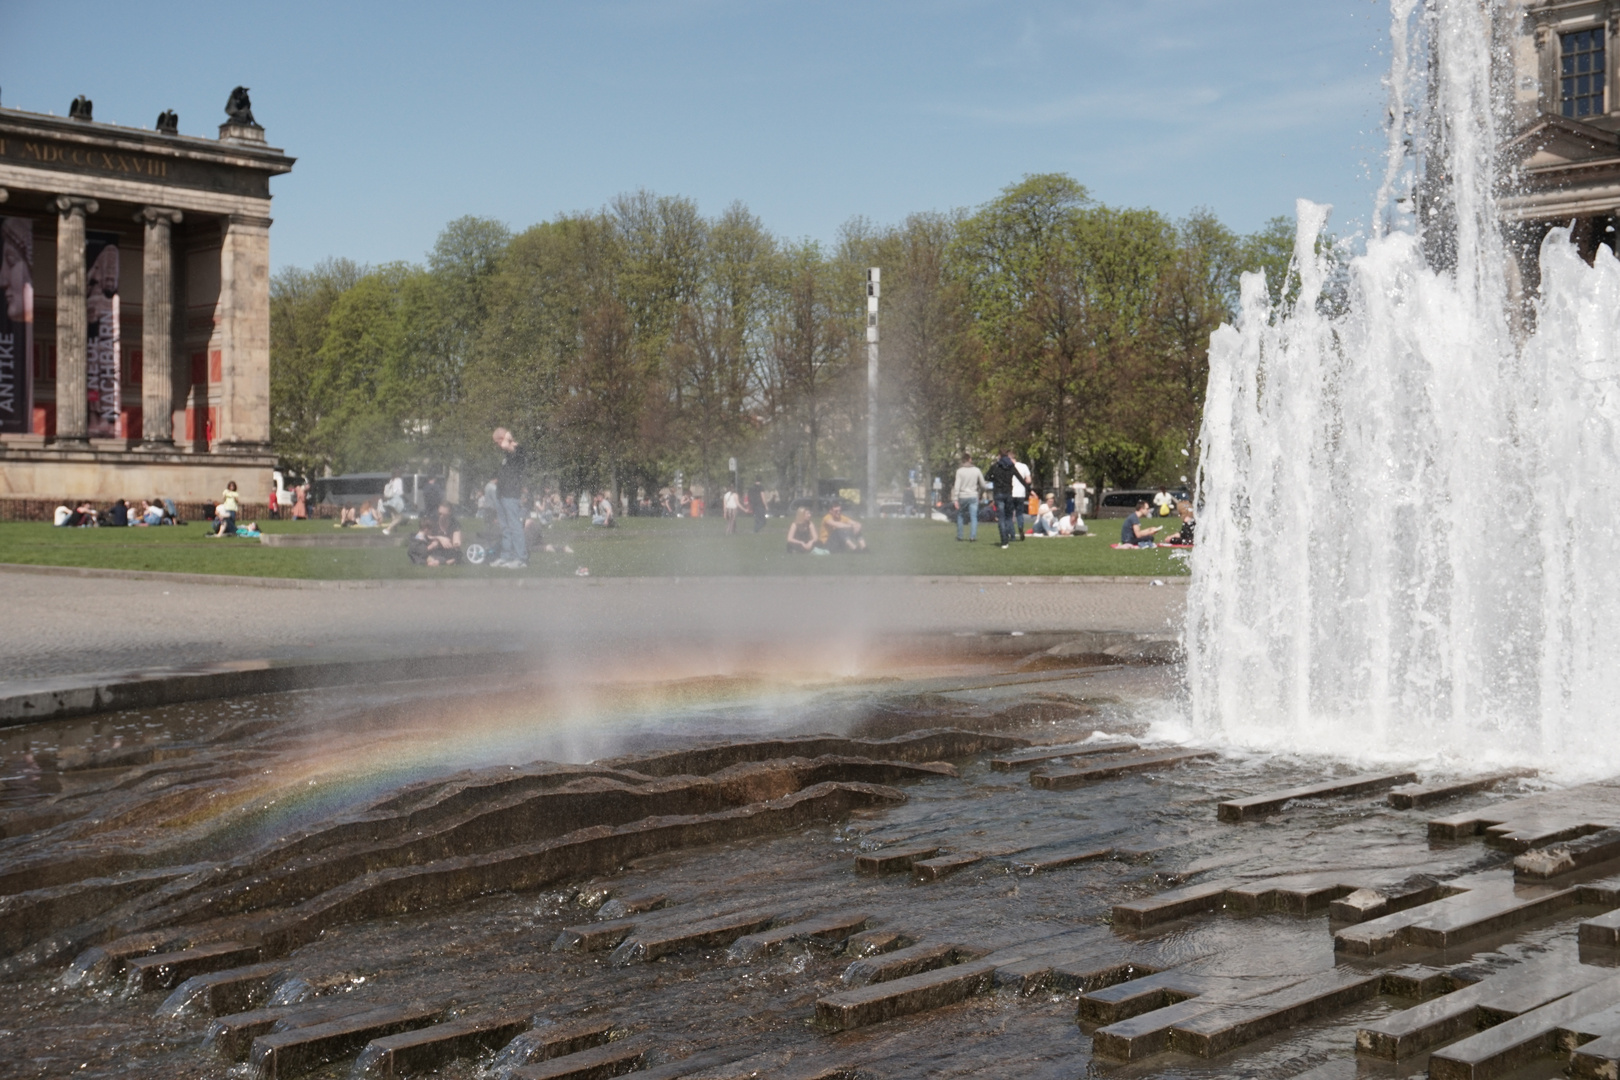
x=1021, y=483
x=965, y=494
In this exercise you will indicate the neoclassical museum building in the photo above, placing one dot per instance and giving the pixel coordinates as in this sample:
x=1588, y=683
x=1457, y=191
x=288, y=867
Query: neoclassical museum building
x=135, y=328
x=1566, y=112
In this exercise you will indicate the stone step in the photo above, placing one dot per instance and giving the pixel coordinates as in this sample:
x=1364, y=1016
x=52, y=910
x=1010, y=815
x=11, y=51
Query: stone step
x=1255, y=806
x=943, y=865
x=1042, y=862
x=1597, y=1025
x=1123, y=1000
x=902, y=997
x=1039, y=754
x=1171, y=905
x=1298, y=895
x=695, y=1065
x=593, y=937
x=650, y=944
x=1417, y=796
x=1603, y=930
x=876, y=942
x=547, y=1040
x=1519, y=1041
x=613, y=1059
x=1501, y=996
x=1532, y=832
x=284, y=1054
x=1232, y=1025
x=1124, y=765
x=426, y=1049
x=902, y=962
x=232, y=1035
x=1145, y=1035
x=1596, y=1060
x=160, y=971
x=1454, y=919
x=1539, y=864
x=216, y=993
x=894, y=860
x=635, y=904
x=827, y=931
x=935, y=744
x=1374, y=903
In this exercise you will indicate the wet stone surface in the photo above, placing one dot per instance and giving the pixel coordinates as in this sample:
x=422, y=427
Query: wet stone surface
x=672, y=877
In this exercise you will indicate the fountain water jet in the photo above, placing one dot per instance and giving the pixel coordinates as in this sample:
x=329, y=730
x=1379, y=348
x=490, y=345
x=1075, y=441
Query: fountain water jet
x=1400, y=555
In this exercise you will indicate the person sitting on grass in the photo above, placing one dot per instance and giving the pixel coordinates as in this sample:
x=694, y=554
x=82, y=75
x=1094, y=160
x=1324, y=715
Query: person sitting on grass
x=1184, y=538
x=367, y=518
x=602, y=512
x=1045, y=519
x=1133, y=533
x=839, y=533
x=437, y=541
x=801, y=538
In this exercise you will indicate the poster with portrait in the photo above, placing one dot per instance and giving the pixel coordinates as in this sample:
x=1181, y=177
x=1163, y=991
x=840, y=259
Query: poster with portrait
x=16, y=325
x=102, y=361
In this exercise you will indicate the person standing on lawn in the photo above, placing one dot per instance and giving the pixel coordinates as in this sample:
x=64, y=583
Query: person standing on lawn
x=1020, y=491
x=965, y=494
x=731, y=505
x=514, y=548
x=1001, y=477
x=756, y=503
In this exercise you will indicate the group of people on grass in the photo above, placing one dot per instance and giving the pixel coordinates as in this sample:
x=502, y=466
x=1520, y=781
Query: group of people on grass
x=1134, y=533
x=837, y=533
x=1012, y=488
x=122, y=513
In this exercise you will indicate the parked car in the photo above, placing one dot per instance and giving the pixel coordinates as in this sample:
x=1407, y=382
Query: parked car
x=1119, y=502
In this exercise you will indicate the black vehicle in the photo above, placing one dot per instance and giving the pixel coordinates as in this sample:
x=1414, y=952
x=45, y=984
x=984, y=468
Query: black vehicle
x=1120, y=502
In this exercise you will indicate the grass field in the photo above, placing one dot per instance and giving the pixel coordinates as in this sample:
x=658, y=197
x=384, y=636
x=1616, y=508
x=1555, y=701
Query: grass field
x=638, y=547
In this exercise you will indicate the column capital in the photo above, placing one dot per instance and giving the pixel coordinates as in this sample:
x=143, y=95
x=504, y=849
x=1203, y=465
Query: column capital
x=73, y=204
x=252, y=221
x=154, y=215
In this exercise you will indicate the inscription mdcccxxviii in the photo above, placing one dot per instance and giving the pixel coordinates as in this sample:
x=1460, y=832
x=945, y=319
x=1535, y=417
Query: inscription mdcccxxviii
x=44, y=152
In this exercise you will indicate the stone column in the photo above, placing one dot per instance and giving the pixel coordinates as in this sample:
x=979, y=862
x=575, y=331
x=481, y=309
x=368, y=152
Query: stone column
x=72, y=404
x=244, y=304
x=157, y=327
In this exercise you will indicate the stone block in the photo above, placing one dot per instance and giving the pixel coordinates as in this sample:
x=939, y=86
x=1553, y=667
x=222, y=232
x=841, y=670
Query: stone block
x=1539, y=864
x=1501, y=996
x=1372, y=903
x=425, y=1049
x=1596, y=1060
x=231, y=1035
x=546, y=1040
x=876, y=942
x=1484, y=909
x=1123, y=1000
x=935, y=744
x=1171, y=905
x=1042, y=862
x=1256, y=806
x=621, y=906
x=943, y=865
x=1145, y=1035
x=598, y=1063
x=1419, y=981
x=1123, y=765
x=826, y=931
x=592, y=937
x=284, y=1054
x=1293, y=896
x=1520, y=1040
x=1040, y=754
x=1603, y=930
x=1228, y=1026
x=894, y=860
x=160, y=971
x=901, y=963
x=1417, y=796
x=902, y=997
x=649, y=945
x=217, y=993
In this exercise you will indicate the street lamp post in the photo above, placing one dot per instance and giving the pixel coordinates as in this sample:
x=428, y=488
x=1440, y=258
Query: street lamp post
x=873, y=288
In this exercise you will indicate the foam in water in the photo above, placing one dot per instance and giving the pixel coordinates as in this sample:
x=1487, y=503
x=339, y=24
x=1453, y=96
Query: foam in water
x=1408, y=528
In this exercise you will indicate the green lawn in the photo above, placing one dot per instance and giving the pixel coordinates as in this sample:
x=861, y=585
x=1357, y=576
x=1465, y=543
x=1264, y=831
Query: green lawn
x=638, y=547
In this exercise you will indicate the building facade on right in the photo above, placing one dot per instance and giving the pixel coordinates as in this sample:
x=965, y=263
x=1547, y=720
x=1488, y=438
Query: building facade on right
x=1565, y=150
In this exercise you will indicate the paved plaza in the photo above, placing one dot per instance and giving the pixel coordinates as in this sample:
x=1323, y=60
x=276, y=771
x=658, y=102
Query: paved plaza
x=63, y=625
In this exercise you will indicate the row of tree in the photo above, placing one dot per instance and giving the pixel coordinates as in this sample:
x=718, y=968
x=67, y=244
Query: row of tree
x=627, y=345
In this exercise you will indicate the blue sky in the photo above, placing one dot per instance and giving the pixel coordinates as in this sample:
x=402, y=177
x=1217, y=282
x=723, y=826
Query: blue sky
x=406, y=115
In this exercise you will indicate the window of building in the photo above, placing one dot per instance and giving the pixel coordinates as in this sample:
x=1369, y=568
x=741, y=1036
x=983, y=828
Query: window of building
x=1582, y=71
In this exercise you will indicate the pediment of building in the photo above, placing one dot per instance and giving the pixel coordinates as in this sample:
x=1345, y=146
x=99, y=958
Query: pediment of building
x=1551, y=141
